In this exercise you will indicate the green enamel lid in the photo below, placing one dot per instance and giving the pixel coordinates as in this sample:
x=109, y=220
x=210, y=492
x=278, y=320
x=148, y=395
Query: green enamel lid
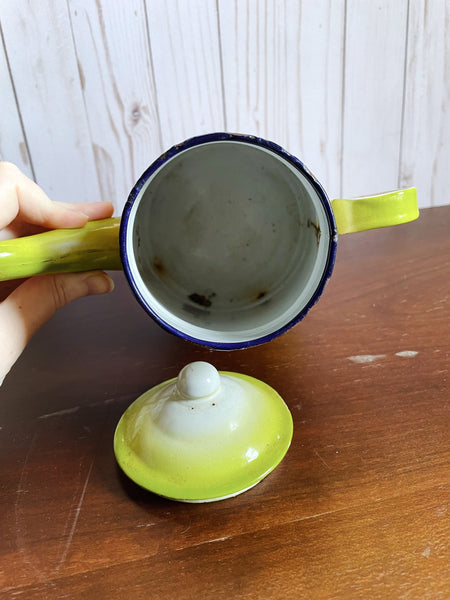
x=204, y=436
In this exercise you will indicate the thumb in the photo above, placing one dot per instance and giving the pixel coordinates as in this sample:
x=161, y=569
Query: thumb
x=30, y=305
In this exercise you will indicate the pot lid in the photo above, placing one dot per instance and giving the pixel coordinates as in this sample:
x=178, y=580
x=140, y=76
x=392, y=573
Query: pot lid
x=204, y=436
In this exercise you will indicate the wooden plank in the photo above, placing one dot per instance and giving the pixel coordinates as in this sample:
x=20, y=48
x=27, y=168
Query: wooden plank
x=282, y=79
x=282, y=69
x=116, y=74
x=426, y=126
x=13, y=145
x=38, y=40
x=373, y=95
x=186, y=60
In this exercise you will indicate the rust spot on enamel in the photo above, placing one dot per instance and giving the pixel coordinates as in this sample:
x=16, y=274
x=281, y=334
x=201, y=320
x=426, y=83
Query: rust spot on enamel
x=159, y=267
x=200, y=299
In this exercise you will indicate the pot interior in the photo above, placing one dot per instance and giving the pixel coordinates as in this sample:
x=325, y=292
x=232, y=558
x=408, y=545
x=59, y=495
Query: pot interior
x=229, y=242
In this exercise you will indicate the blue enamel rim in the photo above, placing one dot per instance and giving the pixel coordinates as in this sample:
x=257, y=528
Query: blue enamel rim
x=247, y=139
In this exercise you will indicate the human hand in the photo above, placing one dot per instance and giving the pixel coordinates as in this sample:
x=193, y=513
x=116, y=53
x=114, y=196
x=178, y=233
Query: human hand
x=24, y=210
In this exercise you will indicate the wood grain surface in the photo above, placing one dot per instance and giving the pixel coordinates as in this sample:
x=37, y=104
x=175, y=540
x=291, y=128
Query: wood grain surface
x=46, y=83
x=186, y=58
x=12, y=140
x=119, y=91
x=282, y=71
x=372, y=95
x=92, y=92
x=426, y=91
x=359, y=507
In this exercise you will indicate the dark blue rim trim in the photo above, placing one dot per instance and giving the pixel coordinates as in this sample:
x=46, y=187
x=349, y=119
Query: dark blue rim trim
x=247, y=139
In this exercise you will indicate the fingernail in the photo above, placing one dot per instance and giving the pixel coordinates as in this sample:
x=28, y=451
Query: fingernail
x=99, y=283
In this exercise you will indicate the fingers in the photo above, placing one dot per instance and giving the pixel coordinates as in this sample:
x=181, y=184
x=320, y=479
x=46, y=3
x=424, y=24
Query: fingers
x=25, y=208
x=35, y=301
x=93, y=210
x=21, y=198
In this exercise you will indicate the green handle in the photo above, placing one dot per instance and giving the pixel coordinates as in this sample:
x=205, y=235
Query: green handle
x=94, y=246
x=371, y=212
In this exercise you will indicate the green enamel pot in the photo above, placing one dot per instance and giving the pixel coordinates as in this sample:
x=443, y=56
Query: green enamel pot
x=226, y=240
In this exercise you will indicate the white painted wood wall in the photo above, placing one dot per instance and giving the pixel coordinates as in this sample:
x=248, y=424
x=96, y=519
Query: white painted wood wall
x=91, y=92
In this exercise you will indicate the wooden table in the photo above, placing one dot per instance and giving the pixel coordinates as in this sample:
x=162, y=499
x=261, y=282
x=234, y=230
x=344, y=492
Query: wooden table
x=359, y=508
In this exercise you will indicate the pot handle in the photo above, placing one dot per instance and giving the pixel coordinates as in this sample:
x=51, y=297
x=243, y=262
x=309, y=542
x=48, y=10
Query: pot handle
x=371, y=212
x=94, y=246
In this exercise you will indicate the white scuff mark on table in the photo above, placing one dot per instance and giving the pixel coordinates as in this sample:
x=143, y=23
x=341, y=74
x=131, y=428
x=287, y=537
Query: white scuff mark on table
x=365, y=359
x=20, y=529
x=426, y=553
x=75, y=520
x=185, y=529
x=31, y=561
x=323, y=461
x=221, y=539
x=59, y=413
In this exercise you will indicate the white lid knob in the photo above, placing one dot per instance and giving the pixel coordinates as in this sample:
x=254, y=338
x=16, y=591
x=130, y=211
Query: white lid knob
x=198, y=380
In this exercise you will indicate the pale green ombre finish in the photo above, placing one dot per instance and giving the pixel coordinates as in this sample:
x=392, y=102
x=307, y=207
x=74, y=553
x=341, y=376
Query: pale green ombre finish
x=94, y=246
x=372, y=212
x=205, y=449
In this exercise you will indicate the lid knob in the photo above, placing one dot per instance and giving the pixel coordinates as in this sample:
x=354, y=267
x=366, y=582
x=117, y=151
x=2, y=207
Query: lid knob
x=198, y=380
